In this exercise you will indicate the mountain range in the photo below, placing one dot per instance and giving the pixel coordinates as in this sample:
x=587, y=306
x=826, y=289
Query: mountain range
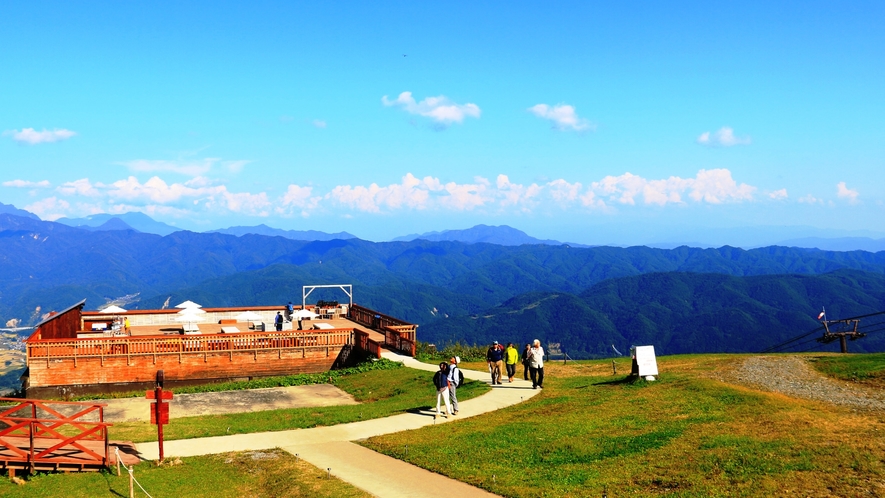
x=451, y=287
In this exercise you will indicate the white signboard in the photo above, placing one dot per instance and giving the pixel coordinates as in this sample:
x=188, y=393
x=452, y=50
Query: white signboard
x=645, y=359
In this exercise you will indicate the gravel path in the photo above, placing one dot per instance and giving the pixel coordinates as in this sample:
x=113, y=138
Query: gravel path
x=793, y=376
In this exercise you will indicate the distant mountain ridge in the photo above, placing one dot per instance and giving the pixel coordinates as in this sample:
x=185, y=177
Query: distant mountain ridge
x=501, y=235
x=10, y=209
x=48, y=266
x=276, y=232
x=126, y=221
x=838, y=244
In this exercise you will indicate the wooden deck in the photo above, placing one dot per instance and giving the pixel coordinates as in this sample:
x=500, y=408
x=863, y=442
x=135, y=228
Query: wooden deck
x=44, y=435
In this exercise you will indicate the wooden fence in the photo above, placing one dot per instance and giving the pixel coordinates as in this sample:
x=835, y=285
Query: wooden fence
x=52, y=435
x=102, y=347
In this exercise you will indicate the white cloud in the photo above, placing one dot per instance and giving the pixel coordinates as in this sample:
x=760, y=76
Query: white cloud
x=319, y=123
x=411, y=193
x=843, y=192
x=713, y=186
x=810, y=199
x=439, y=109
x=513, y=194
x=33, y=137
x=778, y=194
x=298, y=198
x=79, y=187
x=27, y=184
x=724, y=137
x=563, y=192
x=51, y=208
x=562, y=116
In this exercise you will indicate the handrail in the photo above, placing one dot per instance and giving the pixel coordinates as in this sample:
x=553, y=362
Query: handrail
x=55, y=426
x=198, y=343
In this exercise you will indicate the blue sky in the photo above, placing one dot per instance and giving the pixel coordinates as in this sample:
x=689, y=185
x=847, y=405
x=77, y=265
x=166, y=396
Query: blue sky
x=574, y=121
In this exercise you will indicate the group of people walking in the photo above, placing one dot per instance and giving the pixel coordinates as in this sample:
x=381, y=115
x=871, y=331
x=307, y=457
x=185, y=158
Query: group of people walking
x=449, y=377
x=532, y=361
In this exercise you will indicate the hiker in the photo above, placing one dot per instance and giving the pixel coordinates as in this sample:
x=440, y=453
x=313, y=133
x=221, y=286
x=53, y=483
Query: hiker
x=278, y=321
x=126, y=328
x=525, y=361
x=495, y=358
x=536, y=365
x=289, y=310
x=441, y=381
x=512, y=356
x=454, y=382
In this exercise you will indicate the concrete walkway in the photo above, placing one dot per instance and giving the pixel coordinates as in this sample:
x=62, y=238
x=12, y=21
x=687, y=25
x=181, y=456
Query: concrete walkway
x=331, y=447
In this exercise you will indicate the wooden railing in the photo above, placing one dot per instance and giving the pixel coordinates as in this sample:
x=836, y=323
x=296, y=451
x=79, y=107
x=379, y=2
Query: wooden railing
x=395, y=339
x=363, y=342
x=44, y=434
x=398, y=334
x=188, y=344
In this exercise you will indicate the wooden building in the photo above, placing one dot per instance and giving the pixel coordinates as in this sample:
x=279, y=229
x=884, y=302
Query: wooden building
x=77, y=352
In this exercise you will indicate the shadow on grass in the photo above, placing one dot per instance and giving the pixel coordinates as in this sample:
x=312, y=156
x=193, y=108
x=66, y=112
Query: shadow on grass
x=630, y=379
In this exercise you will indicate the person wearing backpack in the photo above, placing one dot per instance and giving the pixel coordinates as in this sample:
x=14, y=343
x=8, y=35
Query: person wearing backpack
x=441, y=381
x=456, y=378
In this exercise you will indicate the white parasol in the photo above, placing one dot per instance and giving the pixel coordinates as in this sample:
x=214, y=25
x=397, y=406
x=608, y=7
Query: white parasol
x=248, y=316
x=192, y=311
x=305, y=314
x=188, y=305
x=188, y=318
x=113, y=309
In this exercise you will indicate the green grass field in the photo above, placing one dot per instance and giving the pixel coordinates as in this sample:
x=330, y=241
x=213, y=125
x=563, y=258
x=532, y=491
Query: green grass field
x=862, y=368
x=683, y=435
x=235, y=475
x=380, y=393
x=588, y=432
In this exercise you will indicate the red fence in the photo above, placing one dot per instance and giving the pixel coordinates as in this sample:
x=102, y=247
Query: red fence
x=188, y=344
x=52, y=435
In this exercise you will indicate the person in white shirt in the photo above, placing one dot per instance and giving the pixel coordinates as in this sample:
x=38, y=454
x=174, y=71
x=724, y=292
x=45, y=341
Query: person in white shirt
x=536, y=365
x=454, y=382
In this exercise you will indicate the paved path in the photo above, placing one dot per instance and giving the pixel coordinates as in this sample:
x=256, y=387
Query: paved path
x=331, y=447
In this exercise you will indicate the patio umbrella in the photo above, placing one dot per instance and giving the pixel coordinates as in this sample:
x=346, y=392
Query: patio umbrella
x=113, y=309
x=188, y=318
x=188, y=305
x=192, y=311
x=248, y=316
x=305, y=314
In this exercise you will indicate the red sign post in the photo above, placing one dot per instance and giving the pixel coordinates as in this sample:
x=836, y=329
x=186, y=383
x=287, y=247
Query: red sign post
x=159, y=409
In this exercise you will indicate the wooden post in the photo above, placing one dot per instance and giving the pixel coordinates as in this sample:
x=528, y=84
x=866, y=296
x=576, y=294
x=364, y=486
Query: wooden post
x=131, y=484
x=159, y=401
x=614, y=368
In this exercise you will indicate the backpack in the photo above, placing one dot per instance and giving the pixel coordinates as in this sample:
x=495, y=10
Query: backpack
x=460, y=377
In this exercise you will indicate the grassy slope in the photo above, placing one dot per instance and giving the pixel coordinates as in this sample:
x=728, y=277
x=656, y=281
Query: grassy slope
x=684, y=435
x=380, y=392
x=274, y=473
x=867, y=369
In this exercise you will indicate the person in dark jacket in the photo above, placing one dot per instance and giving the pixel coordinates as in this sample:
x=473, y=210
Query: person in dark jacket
x=525, y=361
x=495, y=359
x=441, y=381
x=278, y=321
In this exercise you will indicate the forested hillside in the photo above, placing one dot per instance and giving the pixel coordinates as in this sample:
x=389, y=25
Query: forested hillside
x=678, y=313
x=51, y=266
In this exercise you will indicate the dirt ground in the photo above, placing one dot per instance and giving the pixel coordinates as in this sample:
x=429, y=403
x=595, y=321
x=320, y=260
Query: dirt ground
x=190, y=405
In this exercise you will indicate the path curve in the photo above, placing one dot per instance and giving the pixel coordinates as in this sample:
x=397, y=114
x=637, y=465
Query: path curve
x=332, y=448
x=793, y=376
